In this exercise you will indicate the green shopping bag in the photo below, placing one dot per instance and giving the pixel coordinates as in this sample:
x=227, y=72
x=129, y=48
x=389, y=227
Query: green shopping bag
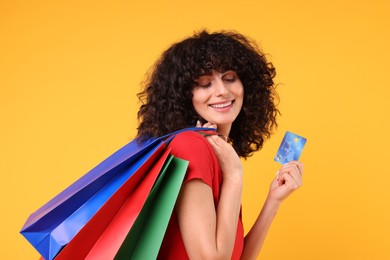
x=146, y=236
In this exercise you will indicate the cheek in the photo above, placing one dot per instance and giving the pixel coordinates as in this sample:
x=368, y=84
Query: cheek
x=199, y=98
x=239, y=93
x=195, y=103
x=198, y=106
x=240, y=90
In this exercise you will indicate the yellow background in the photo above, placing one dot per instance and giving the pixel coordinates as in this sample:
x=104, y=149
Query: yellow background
x=70, y=70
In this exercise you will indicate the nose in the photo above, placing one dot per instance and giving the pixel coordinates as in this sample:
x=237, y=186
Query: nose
x=220, y=88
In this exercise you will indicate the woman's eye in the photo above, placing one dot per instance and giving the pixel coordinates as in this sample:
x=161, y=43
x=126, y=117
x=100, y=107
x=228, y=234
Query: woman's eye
x=230, y=79
x=205, y=85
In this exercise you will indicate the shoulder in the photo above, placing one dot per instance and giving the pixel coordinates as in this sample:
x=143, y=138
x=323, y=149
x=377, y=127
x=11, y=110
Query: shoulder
x=194, y=147
x=189, y=137
x=190, y=143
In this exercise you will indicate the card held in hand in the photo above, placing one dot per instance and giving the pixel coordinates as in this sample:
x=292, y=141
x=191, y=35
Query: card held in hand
x=290, y=149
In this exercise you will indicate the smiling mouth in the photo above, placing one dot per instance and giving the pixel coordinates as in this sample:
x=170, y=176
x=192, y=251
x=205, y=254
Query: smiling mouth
x=221, y=105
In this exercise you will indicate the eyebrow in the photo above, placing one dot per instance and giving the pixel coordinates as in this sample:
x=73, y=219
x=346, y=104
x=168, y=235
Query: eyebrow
x=223, y=73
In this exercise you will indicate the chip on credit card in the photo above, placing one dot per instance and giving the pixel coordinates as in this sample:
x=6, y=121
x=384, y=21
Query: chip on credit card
x=290, y=149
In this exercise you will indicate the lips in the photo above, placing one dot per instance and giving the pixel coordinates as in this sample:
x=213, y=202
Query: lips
x=221, y=105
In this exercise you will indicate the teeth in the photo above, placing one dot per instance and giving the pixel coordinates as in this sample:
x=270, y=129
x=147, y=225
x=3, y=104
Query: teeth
x=222, y=105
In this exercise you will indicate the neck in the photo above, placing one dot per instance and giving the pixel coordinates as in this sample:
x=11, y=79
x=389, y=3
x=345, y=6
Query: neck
x=224, y=129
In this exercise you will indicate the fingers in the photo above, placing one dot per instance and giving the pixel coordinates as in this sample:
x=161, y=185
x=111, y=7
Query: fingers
x=299, y=165
x=296, y=164
x=291, y=174
x=211, y=125
x=207, y=125
x=220, y=146
x=290, y=180
x=215, y=141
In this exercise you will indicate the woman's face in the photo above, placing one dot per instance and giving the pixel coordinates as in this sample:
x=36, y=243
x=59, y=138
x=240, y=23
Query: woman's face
x=218, y=98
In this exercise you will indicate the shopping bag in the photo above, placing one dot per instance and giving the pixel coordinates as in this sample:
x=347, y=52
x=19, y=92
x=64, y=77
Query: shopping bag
x=145, y=238
x=141, y=239
x=124, y=206
x=55, y=229
x=52, y=226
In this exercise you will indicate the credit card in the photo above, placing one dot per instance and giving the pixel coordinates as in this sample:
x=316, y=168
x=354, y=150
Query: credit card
x=290, y=149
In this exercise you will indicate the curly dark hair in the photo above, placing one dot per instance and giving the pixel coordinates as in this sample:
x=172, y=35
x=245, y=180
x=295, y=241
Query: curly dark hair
x=167, y=96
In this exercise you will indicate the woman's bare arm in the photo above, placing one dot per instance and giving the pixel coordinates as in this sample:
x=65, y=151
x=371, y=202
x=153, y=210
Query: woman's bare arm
x=210, y=233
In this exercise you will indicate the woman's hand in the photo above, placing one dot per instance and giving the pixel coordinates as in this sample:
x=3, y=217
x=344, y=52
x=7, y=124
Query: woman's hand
x=288, y=179
x=229, y=160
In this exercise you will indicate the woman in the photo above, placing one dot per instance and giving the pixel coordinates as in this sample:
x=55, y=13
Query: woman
x=218, y=80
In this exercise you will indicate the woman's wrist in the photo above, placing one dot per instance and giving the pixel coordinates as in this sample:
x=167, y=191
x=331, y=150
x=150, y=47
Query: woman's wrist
x=234, y=177
x=272, y=203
